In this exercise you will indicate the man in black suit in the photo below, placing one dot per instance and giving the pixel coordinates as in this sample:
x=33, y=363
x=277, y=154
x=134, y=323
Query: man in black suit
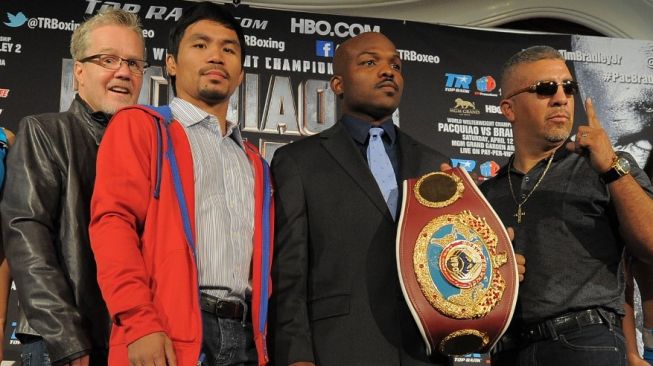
x=336, y=298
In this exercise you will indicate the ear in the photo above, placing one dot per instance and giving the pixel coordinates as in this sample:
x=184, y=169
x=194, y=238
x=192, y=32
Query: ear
x=171, y=65
x=507, y=110
x=78, y=74
x=336, y=85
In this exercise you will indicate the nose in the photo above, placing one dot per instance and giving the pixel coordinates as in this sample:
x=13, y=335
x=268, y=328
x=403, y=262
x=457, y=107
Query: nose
x=560, y=97
x=217, y=56
x=123, y=71
x=387, y=70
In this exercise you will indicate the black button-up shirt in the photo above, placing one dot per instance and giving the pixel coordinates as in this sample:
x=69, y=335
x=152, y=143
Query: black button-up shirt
x=569, y=236
x=359, y=131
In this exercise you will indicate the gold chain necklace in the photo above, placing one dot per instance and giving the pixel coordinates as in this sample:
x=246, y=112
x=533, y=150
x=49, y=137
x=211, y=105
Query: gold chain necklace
x=520, y=212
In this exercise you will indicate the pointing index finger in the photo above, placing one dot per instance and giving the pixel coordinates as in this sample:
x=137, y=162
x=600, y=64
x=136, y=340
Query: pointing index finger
x=591, y=114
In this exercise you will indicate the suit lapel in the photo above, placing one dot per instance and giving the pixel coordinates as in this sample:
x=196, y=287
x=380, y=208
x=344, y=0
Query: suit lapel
x=410, y=157
x=339, y=144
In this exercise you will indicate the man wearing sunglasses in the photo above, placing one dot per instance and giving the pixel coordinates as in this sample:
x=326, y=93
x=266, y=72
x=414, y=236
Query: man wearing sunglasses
x=574, y=206
x=45, y=207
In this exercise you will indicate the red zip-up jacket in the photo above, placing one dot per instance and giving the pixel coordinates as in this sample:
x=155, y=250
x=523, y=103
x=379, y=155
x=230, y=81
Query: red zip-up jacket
x=145, y=261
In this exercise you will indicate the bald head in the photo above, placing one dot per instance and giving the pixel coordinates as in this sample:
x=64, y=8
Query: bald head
x=367, y=77
x=353, y=46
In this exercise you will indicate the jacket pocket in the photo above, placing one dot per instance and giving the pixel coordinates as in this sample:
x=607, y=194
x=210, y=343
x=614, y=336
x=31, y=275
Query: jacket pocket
x=328, y=307
x=175, y=296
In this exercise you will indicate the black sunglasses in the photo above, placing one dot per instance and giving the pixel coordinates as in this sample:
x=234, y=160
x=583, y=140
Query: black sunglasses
x=548, y=88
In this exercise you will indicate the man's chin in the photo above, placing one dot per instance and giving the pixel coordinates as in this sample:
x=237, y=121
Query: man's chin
x=213, y=96
x=557, y=134
x=112, y=108
x=384, y=109
x=557, y=138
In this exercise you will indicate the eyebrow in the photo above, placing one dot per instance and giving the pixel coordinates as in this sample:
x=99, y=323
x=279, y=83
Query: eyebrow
x=207, y=38
x=113, y=51
x=376, y=54
x=234, y=42
x=199, y=36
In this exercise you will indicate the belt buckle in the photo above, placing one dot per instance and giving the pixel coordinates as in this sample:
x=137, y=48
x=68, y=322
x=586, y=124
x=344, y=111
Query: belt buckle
x=539, y=331
x=218, y=307
x=528, y=334
x=531, y=333
x=224, y=309
x=568, y=322
x=233, y=308
x=563, y=324
x=608, y=318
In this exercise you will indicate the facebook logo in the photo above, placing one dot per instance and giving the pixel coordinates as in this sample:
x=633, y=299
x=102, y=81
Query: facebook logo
x=324, y=48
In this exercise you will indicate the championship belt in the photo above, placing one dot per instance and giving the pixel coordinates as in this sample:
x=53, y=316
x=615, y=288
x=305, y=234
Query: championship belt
x=456, y=264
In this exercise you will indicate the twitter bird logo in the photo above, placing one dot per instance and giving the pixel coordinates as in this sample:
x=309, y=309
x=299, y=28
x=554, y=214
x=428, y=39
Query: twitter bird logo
x=16, y=20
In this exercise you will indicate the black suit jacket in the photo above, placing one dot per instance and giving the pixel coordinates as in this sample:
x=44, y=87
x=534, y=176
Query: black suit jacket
x=336, y=297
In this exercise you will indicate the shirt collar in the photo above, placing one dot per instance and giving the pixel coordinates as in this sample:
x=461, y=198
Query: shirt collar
x=189, y=115
x=359, y=130
x=562, y=151
x=559, y=154
x=99, y=116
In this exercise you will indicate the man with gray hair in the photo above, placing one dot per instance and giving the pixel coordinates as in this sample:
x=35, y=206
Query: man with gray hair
x=574, y=204
x=45, y=208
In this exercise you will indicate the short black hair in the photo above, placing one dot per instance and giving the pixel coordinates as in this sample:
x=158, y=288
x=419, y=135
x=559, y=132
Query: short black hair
x=530, y=54
x=203, y=11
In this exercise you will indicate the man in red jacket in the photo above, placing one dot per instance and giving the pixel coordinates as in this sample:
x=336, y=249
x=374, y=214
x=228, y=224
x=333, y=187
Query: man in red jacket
x=181, y=213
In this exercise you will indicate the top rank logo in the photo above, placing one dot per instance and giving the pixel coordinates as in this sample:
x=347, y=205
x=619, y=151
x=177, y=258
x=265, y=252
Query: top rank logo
x=324, y=48
x=466, y=164
x=15, y=20
x=457, y=83
x=13, y=339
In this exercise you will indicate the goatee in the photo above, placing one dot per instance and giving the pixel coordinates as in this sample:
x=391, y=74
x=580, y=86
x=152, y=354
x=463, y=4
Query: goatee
x=557, y=137
x=212, y=96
